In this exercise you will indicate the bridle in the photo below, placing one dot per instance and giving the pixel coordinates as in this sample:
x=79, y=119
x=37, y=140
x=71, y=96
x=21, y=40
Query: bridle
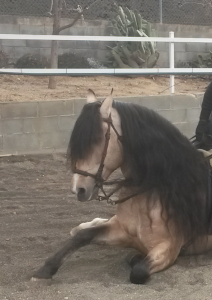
x=100, y=182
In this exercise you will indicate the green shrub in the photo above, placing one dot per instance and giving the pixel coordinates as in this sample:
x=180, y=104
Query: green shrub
x=3, y=59
x=72, y=61
x=32, y=61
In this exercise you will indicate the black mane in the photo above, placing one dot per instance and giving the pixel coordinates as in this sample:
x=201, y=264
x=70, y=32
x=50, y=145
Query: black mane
x=87, y=132
x=160, y=159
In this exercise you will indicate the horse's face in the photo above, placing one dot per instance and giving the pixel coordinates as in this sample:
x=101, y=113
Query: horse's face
x=85, y=186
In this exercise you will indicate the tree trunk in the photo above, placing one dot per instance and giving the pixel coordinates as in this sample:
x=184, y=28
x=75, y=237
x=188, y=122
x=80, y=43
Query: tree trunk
x=54, y=64
x=57, y=6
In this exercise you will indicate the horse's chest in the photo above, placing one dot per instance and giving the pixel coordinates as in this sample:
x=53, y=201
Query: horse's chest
x=143, y=227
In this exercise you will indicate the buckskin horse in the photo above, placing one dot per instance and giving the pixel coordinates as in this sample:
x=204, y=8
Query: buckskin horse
x=164, y=205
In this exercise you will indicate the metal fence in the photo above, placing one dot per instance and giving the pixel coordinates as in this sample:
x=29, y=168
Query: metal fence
x=111, y=71
x=197, y=12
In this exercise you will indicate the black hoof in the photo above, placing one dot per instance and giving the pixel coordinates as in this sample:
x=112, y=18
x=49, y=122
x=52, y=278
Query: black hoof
x=140, y=273
x=42, y=273
x=47, y=271
x=136, y=259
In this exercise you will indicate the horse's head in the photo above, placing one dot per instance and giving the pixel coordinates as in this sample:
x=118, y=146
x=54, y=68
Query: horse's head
x=94, y=150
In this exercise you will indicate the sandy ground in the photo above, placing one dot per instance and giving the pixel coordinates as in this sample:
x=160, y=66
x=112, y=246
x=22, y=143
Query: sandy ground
x=31, y=88
x=37, y=213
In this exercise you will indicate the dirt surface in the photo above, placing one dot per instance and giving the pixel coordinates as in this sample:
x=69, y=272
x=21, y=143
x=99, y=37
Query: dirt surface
x=32, y=88
x=37, y=213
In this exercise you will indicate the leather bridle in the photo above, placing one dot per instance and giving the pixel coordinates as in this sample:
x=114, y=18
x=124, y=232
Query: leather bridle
x=100, y=182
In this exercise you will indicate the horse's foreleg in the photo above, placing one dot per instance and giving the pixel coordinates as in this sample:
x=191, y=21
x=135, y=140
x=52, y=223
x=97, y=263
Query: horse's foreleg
x=82, y=238
x=93, y=223
x=109, y=233
x=160, y=257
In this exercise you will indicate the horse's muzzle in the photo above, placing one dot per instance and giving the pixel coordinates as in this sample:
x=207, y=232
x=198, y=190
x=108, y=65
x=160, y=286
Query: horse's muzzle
x=87, y=195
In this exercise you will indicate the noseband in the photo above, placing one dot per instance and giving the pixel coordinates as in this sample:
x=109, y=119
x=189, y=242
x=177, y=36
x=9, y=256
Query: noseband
x=98, y=176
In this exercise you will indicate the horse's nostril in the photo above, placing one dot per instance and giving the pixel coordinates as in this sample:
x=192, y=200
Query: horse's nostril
x=81, y=191
x=81, y=194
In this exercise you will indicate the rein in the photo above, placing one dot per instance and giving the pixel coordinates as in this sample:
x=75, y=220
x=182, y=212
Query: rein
x=100, y=182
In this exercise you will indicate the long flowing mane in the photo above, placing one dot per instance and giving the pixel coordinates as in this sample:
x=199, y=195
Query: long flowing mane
x=87, y=132
x=160, y=158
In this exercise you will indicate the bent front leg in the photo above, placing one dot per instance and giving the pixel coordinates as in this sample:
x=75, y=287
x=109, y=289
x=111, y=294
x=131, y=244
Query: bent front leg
x=159, y=258
x=109, y=233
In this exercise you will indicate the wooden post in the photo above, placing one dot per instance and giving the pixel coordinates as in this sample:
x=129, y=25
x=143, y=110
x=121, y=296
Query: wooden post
x=57, y=8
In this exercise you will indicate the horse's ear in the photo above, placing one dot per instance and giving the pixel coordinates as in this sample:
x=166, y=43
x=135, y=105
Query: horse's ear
x=106, y=106
x=91, y=97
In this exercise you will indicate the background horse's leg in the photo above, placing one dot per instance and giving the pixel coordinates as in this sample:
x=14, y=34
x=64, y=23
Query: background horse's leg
x=159, y=258
x=110, y=233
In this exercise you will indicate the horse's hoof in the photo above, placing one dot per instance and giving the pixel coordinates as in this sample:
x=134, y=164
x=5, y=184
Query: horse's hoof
x=140, y=273
x=33, y=279
x=40, y=282
x=36, y=279
x=135, y=260
x=44, y=272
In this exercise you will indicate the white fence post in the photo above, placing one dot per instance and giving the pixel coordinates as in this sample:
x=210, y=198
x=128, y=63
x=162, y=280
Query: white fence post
x=171, y=62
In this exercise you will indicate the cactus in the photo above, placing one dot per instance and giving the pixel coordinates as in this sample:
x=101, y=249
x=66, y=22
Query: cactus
x=132, y=54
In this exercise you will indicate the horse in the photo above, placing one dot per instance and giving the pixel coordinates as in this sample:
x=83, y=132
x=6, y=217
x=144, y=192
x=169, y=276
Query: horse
x=164, y=205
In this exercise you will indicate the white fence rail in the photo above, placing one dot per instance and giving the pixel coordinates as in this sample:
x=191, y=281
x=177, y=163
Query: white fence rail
x=153, y=71
x=103, y=38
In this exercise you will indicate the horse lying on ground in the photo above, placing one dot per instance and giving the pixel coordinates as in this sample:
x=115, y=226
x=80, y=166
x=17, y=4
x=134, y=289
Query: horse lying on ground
x=164, y=206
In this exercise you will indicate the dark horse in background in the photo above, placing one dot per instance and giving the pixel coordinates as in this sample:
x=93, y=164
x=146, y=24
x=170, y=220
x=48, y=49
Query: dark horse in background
x=164, y=206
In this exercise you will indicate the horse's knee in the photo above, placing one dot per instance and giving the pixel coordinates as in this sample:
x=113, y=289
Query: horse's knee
x=163, y=256
x=95, y=222
x=140, y=270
